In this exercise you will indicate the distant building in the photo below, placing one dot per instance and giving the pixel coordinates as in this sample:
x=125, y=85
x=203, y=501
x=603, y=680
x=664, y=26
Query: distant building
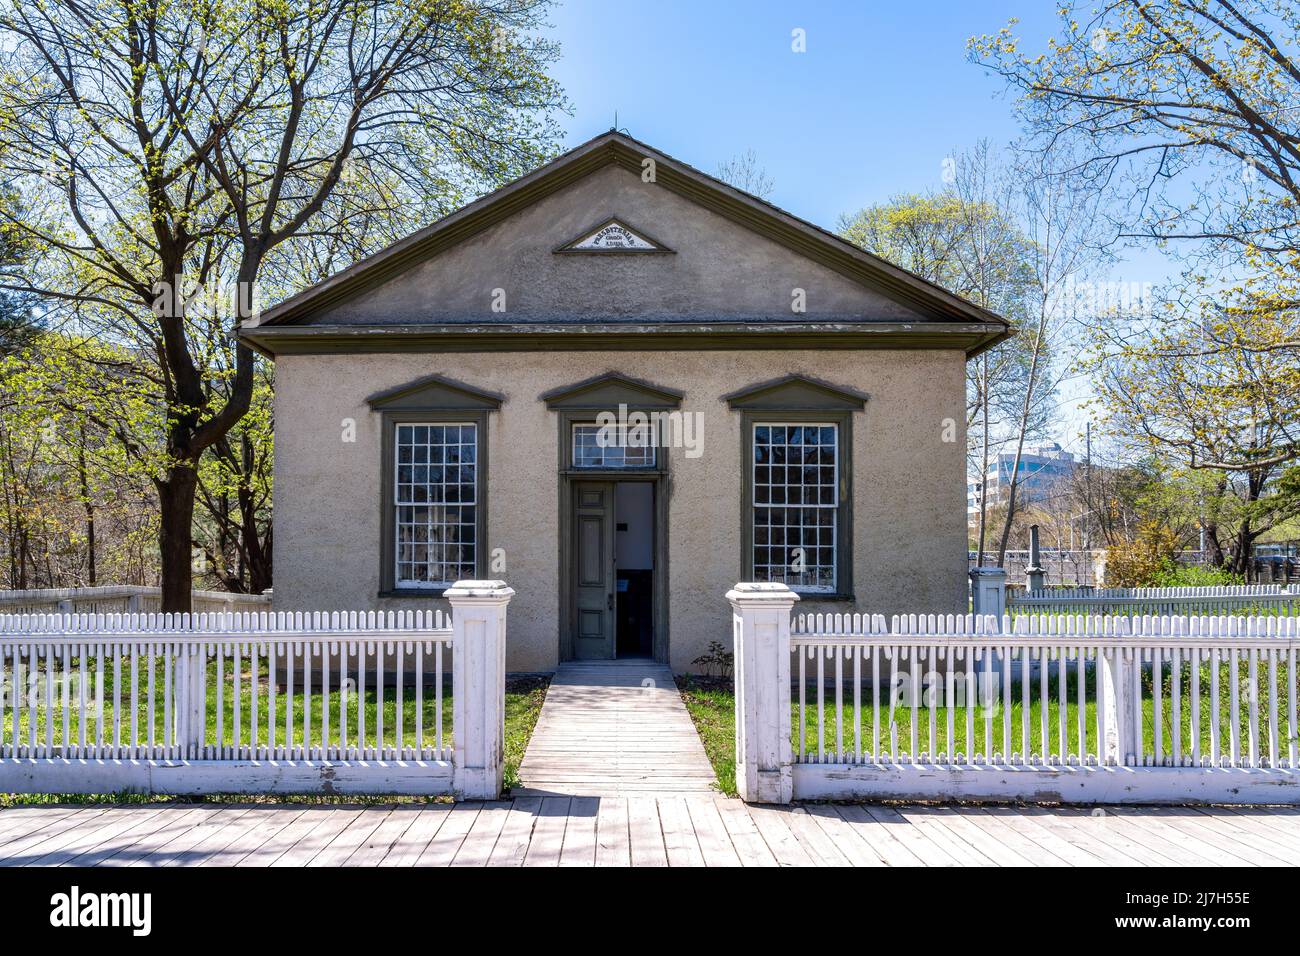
x=1043, y=470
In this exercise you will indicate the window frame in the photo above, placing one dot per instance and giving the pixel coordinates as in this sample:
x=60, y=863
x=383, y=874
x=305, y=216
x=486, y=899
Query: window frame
x=842, y=419
x=575, y=424
x=388, y=584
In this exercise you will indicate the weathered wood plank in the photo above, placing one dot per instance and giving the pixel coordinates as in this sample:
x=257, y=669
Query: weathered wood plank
x=116, y=826
x=477, y=847
x=776, y=834
x=613, y=843
x=251, y=840
x=314, y=841
x=443, y=847
x=613, y=729
x=715, y=843
x=660, y=830
x=879, y=836
x=814, y=840
x=745, y=836
x=177, y=822
x=517, y=833
x=286, y=838
x=645, y=832
x=855, y=849
x=909, y=836
x=547, y=844
x=351, y=837
x=1091, y=835
x=1031, y=839
x=186, y=843
x=407, y=850
x=147, y=827
x=1177, y=851
x=580, y=832
x=681, y=844
x=383, y=838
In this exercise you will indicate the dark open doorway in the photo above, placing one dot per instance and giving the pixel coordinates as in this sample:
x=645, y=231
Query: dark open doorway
x=634, y=562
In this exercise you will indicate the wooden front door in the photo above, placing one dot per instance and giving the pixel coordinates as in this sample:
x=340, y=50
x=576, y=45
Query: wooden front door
x=593, y=570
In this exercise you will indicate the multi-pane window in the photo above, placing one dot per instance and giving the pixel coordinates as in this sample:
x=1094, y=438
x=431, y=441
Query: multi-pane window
x=796, y=504
x=436, y=500
x=613, y=446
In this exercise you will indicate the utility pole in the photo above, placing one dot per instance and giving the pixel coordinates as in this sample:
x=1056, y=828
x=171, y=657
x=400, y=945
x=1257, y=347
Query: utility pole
x=1087, y=479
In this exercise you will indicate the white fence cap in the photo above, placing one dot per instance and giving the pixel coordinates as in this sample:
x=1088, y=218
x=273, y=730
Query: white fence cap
x=759, y=592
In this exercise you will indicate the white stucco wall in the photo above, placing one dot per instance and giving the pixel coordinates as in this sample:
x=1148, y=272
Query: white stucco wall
x=908, y=483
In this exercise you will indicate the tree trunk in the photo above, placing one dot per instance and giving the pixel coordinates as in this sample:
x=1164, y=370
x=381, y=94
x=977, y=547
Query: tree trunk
x=89, y=509
x=176, y=507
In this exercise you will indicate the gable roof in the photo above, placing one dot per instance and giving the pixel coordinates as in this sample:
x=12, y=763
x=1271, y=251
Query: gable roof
x=979, y=327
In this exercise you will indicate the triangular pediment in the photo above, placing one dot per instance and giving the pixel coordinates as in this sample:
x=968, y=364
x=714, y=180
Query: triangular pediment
x=689, y=252
x=610, y=390
x=796, y=393
x=613, y=235
x=433, y=392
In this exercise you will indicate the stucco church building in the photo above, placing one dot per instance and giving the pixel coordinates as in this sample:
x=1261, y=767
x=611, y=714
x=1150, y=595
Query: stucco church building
x=622, y=386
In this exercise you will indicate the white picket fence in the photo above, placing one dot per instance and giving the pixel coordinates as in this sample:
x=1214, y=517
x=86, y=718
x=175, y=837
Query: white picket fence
x=1050, y=708
x=256, y=703
x=121, y=599
x=1235, y=599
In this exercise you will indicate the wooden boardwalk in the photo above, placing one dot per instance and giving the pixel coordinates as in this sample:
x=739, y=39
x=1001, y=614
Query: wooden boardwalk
x=694, y=830
x=611, y=729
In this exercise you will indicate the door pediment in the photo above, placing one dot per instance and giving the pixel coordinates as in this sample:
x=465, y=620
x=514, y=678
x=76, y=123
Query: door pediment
x=610, y=390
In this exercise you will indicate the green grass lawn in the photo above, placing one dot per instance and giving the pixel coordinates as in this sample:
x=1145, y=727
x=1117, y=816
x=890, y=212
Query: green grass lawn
x=523, y=704
x=711, y=703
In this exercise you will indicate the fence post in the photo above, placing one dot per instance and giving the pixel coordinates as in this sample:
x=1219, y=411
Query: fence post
x=761, y=631
x=1116, y=702
x=194, y=699
x=478, y=681
x=988, y=591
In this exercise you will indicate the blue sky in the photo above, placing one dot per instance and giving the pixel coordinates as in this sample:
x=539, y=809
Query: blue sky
x=882, y=95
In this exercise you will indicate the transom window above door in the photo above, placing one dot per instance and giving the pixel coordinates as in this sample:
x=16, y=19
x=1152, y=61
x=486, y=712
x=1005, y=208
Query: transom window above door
x=614, y=446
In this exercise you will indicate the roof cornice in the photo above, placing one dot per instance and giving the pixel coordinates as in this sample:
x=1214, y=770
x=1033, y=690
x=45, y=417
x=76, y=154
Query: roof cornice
x=272, y=341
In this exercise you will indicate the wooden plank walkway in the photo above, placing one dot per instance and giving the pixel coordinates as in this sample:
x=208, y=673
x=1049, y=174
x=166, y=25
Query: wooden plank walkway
x=677, y=830
x=611, y=729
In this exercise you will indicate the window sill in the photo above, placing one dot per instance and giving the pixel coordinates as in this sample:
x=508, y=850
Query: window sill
x=805, y=596
x=417, y=593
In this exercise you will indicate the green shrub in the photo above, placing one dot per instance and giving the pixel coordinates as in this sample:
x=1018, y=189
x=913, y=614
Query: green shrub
x=1174, y=575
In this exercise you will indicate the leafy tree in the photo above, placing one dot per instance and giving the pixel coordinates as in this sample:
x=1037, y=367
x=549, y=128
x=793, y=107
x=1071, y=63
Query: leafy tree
x=1137, y=563
x=72, y=507
x=175, y=146
x=1008, y=241
x=1183, y=113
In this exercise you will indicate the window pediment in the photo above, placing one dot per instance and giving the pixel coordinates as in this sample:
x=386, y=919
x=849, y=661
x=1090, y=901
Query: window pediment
x=610, y=390
x=434, y=392
x=797, y=392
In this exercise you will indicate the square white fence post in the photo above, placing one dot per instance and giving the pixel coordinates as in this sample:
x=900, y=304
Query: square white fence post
x=194, y=699
x=988, y=591
x=478, y=681
x=1118, y=722
x=761, y=630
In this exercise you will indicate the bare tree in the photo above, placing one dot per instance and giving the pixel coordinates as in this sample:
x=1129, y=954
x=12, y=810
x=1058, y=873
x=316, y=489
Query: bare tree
x=744, y=172
x=174, y=145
